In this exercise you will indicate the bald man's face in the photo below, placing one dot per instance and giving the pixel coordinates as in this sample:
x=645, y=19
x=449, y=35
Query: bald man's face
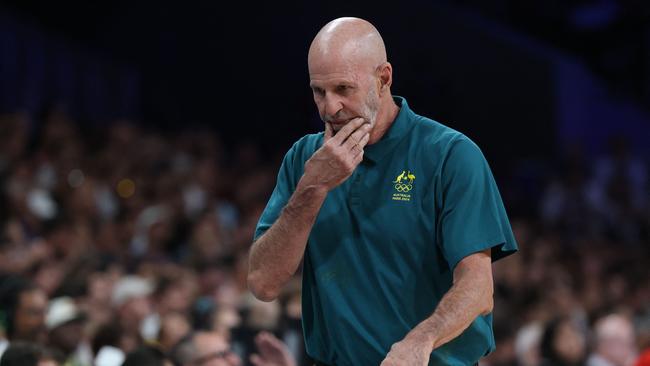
x=343, y=91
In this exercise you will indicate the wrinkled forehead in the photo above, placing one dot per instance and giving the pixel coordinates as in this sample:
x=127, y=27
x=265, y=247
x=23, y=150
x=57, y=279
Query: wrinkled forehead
x=326, y=69
x=339, y=64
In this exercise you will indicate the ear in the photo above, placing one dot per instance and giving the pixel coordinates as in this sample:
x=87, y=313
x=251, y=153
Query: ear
x=385, y=77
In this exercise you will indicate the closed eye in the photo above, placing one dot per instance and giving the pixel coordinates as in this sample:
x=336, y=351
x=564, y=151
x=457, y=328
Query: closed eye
x=344, y=89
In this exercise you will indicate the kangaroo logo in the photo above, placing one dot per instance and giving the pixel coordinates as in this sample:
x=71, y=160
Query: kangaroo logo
x=404, y=181
x=400, y=177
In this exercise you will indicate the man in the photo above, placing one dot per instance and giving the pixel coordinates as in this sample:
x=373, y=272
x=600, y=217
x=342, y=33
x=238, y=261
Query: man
x=614, y=342
x=204, y=349
x=23, y=306
x=212, y=349
x=131, y=298
x=398, y=218
x=65, y=324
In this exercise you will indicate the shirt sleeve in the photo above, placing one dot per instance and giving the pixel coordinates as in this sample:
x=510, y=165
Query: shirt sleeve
x=284, y=187
x=472, y=217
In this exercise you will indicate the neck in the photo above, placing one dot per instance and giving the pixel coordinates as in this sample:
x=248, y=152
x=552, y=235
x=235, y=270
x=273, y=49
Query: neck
x=385, y=118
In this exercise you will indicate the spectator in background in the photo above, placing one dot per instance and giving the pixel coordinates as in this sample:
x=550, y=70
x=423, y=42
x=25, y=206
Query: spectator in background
x=65, y=324
x=527, y=345
x=24, y=306
x=173, y=327
x=614, y=342
x=28, y=354
x=212, y=349
x=204, y=349
x=271, y=352
x=131, y=299
x=563, y=344
x=146, y=356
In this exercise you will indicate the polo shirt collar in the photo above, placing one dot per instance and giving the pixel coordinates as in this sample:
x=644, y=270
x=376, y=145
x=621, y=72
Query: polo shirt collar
x=398, y=129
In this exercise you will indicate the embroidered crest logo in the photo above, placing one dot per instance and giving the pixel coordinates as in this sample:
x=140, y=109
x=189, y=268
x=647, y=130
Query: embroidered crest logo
x=403, y=184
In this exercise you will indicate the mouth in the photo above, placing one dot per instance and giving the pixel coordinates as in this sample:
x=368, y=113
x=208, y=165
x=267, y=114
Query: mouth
x=337, y=124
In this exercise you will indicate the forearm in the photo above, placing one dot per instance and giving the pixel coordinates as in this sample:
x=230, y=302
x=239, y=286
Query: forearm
x=276, y=255
x=470, y=296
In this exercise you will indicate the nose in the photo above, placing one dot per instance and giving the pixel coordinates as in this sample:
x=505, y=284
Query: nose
x=332, y=105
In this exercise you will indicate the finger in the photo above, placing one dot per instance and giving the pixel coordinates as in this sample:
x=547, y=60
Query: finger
x=365, y=139
x=260, y=335
x=272, y=349
x=354, y=151
x=271, y=339
x=329, y=132
x=265, y=347
x=263, y=337
x=362, y=143
x=347, y=130
x=267, y=343
x=358, y=148
x=262, y=343
x=358, y=158
x=357, y=135
x=256, y=360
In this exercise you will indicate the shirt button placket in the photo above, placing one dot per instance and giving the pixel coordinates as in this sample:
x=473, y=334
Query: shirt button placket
x=355, y=190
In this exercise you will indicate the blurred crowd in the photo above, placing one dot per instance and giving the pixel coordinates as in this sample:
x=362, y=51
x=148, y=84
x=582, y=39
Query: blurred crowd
x=126, y=246
x=578, y=291
x=118, y=238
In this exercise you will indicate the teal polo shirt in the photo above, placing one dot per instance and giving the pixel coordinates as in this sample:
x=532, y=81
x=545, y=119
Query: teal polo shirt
x=382, y=251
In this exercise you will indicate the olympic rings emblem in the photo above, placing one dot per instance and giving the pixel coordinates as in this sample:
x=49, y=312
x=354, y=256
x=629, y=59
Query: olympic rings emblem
x=403, y=187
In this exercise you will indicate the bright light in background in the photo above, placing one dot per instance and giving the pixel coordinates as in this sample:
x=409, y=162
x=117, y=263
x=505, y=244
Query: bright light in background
x=126, y=188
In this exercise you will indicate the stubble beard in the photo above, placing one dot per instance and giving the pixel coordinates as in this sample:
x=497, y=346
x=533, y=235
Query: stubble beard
x=370, y=108
x=368, y=112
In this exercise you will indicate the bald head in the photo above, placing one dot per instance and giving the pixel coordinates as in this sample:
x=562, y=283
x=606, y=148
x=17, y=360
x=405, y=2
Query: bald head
x=614, y=326
x=615, y=339
x=350, y=42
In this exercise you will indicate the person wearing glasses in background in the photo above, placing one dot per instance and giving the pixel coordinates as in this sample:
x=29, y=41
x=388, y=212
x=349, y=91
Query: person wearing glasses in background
x=212, y=349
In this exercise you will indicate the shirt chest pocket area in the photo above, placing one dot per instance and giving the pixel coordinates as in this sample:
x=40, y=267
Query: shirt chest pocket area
x=399, y=227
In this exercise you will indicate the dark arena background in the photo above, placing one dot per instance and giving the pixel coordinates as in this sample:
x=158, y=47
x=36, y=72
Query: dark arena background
x=140, y=141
